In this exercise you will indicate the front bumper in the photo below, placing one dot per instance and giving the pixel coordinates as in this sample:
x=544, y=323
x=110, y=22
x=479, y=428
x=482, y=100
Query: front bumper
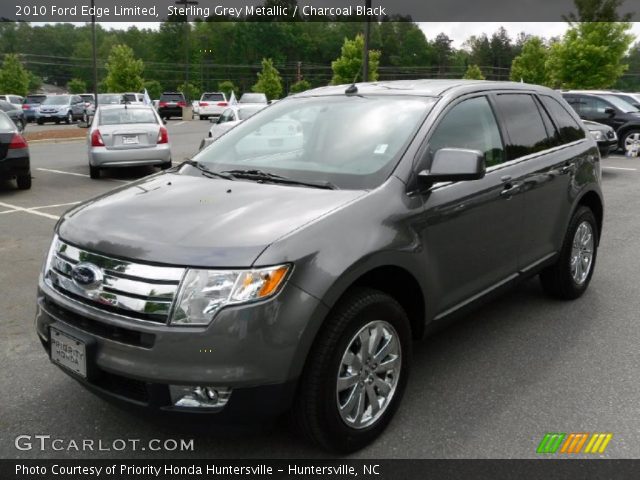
x=51, y=116
x=252, y=349
x=607, y=146
x=103, y=157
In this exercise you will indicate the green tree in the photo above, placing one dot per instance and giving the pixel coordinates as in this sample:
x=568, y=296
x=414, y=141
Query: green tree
x=76, y=85
x=299, y=86
x=473, y=73
x=13, y=76
x=590, y=55
x=124, y=71
x=154, y=88
x=35, y=82
x=348, y=66
x=227, y=86
x=269, y=81
x=190, y=91
x=529, y=66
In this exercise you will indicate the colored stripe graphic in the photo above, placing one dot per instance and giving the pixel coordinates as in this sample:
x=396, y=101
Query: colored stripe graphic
x=572, y=443
x=598, y=443
x=551, y=442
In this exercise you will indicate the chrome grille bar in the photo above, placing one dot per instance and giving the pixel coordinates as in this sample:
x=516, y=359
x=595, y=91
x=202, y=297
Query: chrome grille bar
x=138, y=291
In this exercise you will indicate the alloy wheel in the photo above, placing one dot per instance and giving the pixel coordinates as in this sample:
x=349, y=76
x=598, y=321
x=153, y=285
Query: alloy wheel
x=582, y=253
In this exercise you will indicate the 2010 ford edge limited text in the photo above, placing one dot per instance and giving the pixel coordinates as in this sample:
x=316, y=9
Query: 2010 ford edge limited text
x=289, y=266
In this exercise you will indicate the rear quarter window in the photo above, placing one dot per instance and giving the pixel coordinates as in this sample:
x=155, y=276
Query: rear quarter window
x=568, y=127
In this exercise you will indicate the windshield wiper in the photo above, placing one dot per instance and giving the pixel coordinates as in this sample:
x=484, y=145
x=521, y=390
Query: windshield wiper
x=206, y=172
x=260, y=175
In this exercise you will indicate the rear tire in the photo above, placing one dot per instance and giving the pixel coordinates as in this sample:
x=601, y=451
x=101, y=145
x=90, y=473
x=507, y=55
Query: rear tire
x=628, y=136
x=69, y=119
x=24, y=181
x=334, y=406
x=40, y=122
x=165, y=166
x=94, y=172
x=204, y=117
x=569, y=277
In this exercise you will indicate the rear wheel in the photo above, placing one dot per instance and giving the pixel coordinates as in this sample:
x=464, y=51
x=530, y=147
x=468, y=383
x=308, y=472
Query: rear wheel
x=569, y=277
x=165, y=166
x=204, y=117
x=94, y=172
x=356, y=372
x=24, y=181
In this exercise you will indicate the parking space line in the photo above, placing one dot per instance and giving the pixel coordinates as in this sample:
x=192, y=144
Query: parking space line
x=621, y=168
x=79, y=174
x=26, y=210
x=54, y=206
x=8, y=211
x=176, y=124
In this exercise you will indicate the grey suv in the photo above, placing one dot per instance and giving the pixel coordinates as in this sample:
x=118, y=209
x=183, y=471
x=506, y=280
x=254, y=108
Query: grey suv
x=255, y=280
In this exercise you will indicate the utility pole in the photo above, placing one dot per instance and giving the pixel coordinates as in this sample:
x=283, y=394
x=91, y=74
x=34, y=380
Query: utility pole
x=299, y=72
x=95, y=56
x=367, y=33
x=185, y=4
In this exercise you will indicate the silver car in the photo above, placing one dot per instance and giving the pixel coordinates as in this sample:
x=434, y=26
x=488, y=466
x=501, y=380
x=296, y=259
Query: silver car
x=127, y=136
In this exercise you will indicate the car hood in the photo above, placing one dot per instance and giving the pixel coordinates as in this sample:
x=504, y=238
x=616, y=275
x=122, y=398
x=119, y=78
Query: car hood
x=192, y=220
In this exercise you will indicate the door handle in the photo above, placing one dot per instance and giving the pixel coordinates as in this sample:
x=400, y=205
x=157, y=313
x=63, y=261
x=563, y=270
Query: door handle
x=510, y=190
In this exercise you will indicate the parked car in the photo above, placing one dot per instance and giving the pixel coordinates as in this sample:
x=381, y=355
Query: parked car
x=232, y=116
x=14, y=154
x=604, y=135
x=127, y=136
x=307, y=274
x=30, y=106
x=57, y=108
x=610, y=110
x=211, y=105
x=170, y=104
x=15, y=99
x=15, y=113
x=133, y=98
x=632, y=98
x=253, y=98
x=110, y=99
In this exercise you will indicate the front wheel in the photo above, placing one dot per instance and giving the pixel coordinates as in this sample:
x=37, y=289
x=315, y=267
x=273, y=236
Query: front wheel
x=356, y=372
x=630, y=138
x=69, y=118
x=569, y=277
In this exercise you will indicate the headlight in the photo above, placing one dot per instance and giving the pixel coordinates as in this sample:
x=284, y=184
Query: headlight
x=597, y=134
x=52, y=249
x=204, y=292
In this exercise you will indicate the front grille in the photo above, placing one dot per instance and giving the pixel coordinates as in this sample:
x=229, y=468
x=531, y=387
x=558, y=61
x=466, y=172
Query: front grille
x=134, y=290
x=110, y=332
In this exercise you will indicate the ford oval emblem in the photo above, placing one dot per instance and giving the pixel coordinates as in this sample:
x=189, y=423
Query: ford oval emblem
x=86, y=276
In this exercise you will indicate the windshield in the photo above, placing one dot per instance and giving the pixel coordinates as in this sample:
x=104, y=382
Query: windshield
x=34, y=98
x=117, y=116
x=620, y=103
x=353, y=142
x=57, y=100
x=253, y=98
x=109, y=99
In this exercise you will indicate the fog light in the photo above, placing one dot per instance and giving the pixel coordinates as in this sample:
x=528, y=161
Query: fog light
x=199, y=397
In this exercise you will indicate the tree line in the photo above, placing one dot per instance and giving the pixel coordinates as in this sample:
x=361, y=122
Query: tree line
x=302, y=55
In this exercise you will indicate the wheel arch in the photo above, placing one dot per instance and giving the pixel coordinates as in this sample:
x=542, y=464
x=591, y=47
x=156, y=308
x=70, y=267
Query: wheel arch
x=593, y=201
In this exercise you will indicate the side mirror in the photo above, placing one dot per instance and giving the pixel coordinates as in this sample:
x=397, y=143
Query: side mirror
x=609, y=111
x=453, y=165
x=205, y=143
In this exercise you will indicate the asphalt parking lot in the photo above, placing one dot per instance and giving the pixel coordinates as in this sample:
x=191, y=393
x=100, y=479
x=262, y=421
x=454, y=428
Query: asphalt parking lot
x=489, y=386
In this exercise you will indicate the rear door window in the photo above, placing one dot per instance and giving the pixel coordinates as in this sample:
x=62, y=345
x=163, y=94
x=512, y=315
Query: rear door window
x=524, y=125
x=470, y=124
x=568, y=127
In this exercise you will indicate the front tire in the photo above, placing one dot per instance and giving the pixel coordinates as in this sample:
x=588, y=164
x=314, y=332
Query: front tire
x=570, y=276
x=356, y=372
x=69, y=118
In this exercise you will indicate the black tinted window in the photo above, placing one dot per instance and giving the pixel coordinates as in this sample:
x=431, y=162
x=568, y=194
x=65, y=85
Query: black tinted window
x=34, y=98
x=524, y=124
x=569, y=128
x=472, y=125
x=172, y=97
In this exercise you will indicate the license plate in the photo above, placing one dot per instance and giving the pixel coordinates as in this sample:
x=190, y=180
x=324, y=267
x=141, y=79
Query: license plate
x=130, y=140
x=68, y=352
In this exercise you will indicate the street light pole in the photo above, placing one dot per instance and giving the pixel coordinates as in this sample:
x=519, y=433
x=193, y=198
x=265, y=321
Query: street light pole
x=367, y=33
x=95, y=56
x=185, y=3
